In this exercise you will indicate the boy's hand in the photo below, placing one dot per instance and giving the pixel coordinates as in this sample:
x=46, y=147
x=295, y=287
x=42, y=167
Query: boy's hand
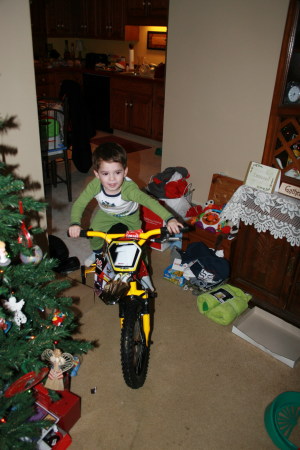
x=174, y=226
x=74, y=231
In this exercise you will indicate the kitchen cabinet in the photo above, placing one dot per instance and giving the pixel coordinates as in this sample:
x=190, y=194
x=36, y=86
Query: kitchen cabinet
x=38, y=28
x=85, y=18
x=269, y=269
x=131, y=105
x=59, y=14
x=61, y=75
x=44, y=83
x=111, y=19
x=282, y=145
x=48, y=81
x=147, y=12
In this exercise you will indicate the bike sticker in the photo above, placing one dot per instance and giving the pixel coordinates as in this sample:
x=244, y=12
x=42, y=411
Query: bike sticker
x=133, y=234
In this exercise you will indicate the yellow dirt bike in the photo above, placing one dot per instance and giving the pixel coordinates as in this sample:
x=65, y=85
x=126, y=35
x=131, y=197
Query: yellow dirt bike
x=121, y=277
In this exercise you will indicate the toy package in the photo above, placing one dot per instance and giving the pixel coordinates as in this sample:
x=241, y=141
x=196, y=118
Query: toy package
x=223, y=304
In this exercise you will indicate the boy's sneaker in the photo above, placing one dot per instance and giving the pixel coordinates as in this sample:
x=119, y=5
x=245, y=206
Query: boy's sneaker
x=91, y=259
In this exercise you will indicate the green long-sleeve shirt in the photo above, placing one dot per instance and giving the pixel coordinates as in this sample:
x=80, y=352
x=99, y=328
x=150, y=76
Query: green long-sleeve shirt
x=130, y=193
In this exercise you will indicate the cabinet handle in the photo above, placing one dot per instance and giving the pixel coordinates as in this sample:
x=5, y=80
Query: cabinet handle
x=130, y=105
x=126, y=104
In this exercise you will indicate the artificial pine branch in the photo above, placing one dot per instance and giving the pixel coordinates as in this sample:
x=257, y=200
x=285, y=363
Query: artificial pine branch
x=21, y=345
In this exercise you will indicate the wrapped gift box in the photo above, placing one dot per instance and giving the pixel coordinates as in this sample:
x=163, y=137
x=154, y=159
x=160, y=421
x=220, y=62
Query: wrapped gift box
x=67, y=409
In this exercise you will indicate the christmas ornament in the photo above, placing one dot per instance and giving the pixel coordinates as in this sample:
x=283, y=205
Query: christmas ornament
x=26, y=382
x=35, y=258
x=5, y=325
x=58, y=318
x=24, y=236
x=60, y=362
x=76, y=366
x=4, y=259
x=12, y=305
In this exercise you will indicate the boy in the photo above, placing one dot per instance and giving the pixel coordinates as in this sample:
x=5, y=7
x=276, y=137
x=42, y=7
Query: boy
x=118, y=198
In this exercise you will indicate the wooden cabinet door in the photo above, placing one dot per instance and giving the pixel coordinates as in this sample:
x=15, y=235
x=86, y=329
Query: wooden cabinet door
x=131, y=105
x=149, y=12
x=38, y=28
x=158, y=111
x=85, y=18
x=140, y=106
x=37, y=16
x=136, y=8
x=263, y=266
x=293, y=304
x=45, y=84
x=110, y=19
x=158, y=8
x=119, y=110
x=59, y=15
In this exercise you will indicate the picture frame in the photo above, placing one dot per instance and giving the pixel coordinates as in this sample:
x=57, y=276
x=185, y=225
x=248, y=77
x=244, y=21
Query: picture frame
x=262, y=177
x=156, y=40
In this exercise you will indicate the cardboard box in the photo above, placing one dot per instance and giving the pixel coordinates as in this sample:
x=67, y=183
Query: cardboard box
x=269, y=333
x=174, y=276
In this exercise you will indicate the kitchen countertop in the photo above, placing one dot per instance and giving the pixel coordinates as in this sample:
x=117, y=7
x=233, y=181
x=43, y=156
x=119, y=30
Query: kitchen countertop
x=102, y=72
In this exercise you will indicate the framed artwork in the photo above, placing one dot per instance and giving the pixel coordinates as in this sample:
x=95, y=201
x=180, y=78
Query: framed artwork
x=262, y=177
x=156, y=40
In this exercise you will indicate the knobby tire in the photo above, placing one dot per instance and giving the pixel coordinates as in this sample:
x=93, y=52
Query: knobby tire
x=134, y=352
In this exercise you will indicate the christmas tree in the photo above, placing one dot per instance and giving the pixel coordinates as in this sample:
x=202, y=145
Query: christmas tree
x=35, y=318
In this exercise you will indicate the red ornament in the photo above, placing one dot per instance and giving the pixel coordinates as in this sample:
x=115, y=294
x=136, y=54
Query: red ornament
x=24, y=237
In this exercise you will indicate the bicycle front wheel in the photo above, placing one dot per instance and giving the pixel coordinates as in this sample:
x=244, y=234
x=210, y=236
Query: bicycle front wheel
x=134, y=351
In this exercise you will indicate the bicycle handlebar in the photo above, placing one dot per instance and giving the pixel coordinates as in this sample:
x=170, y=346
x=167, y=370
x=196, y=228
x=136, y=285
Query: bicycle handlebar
x=131, y=234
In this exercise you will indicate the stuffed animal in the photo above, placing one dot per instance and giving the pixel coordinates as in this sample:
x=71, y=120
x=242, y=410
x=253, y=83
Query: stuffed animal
x=209, y=219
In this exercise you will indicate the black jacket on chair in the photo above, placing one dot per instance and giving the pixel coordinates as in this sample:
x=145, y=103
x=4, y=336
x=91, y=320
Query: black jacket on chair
x=80, y=125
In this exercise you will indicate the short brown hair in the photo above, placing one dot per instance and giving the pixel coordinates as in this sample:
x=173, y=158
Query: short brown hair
x=109, y=152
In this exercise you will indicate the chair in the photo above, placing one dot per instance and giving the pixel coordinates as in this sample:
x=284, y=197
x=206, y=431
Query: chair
x=53, y=124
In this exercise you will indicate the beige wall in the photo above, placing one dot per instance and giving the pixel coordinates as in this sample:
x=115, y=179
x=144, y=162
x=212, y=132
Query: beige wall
x=17, y=90
x=221, y=66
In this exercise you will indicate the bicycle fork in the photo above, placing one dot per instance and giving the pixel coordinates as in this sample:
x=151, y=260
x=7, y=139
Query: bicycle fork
x=142, y=296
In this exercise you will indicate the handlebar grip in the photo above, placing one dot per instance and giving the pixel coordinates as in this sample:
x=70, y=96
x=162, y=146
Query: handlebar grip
x=185, y=229
x=83, y=233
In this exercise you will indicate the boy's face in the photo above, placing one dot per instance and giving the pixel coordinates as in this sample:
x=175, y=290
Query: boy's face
x=111, y=175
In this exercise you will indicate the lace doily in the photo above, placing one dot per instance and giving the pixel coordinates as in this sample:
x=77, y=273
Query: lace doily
x=276, y=213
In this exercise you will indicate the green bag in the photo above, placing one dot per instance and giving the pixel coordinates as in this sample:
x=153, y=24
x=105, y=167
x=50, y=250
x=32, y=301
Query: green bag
x=223, y=304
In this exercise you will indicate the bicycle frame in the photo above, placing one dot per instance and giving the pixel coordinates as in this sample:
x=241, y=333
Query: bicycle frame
x=125, y=286
x=140, y=238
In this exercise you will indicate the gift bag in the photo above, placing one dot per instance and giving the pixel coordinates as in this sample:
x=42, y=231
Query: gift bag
x=171, y=187
x=179, y=206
